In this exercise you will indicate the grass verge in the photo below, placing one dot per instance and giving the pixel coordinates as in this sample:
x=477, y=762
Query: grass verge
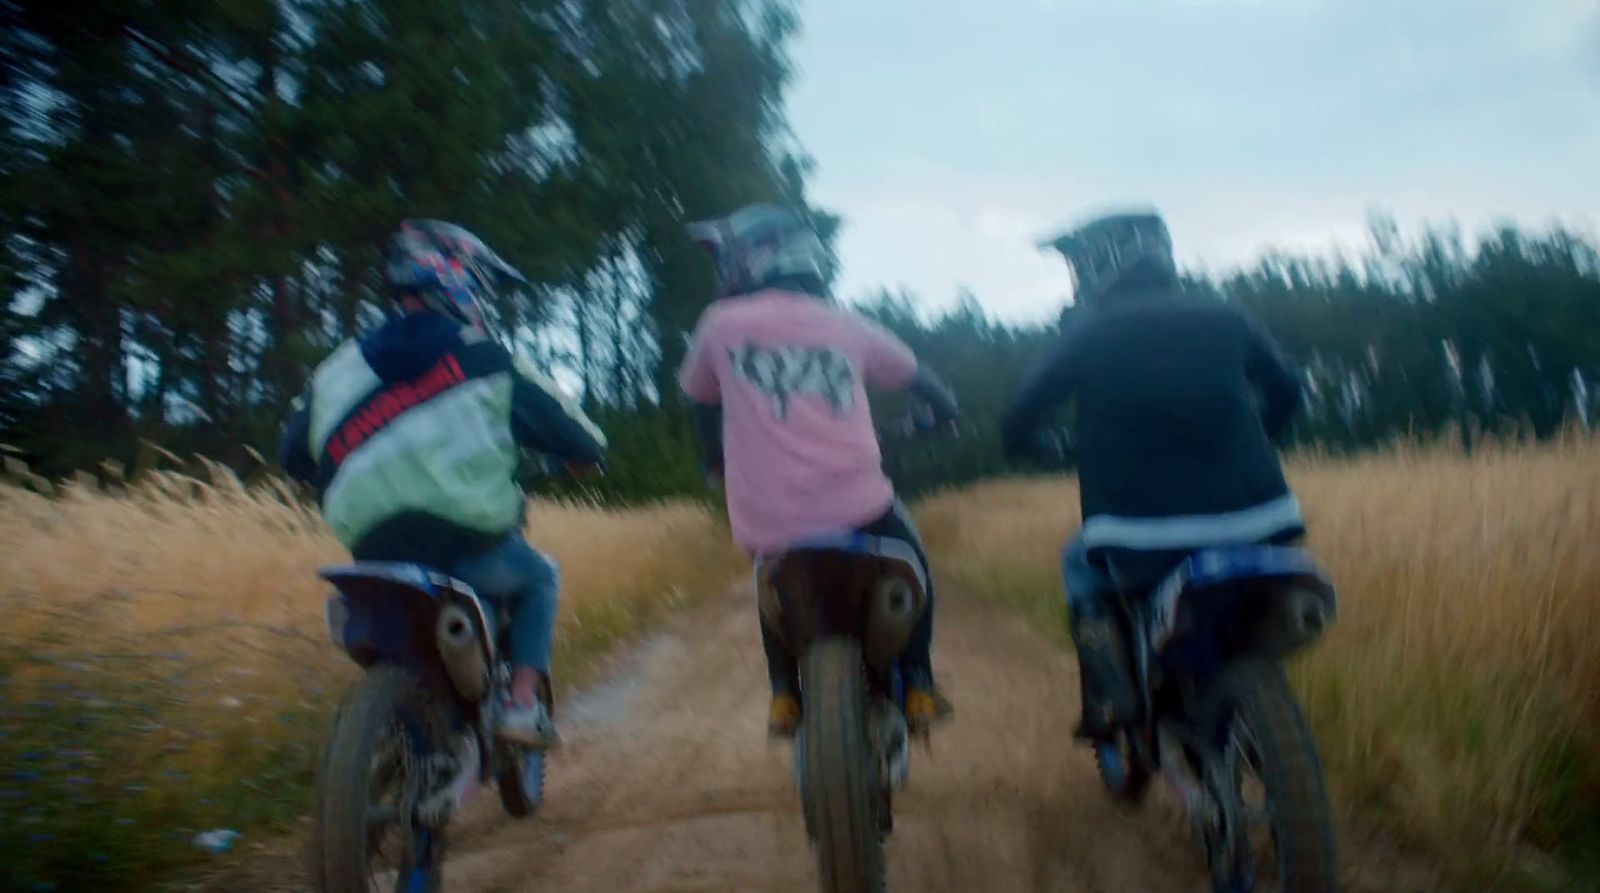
x=1458, y=699
x=164, y=669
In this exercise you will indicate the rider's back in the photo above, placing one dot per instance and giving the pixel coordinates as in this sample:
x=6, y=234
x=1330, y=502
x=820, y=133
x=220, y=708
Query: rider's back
x=801, y=453
x=414, y=432
x=1173, y=450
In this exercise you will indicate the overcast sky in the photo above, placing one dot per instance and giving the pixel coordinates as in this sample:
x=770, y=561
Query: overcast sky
x=953, y=133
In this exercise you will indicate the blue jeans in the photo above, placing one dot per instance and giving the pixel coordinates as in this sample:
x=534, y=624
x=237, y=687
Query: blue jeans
x=520, y=580
x=1088, y=586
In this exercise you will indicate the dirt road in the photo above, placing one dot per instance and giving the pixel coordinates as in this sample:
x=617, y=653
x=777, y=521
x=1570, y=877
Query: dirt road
x=667, y=784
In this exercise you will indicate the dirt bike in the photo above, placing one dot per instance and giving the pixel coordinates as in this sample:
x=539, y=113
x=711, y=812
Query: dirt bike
x=412, y=738
x=1218, y=719
x=846, y=606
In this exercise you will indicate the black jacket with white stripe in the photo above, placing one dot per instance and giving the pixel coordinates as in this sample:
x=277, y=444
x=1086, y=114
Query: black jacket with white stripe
x=1177, y=402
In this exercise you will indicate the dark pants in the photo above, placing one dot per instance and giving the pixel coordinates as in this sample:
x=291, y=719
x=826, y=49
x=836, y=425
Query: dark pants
x=1105, y=672
x=1105, y=679
x=916, y=663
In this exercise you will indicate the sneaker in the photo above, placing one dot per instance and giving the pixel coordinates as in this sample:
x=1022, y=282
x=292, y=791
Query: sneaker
x=783, y=716
x=924, y=707
x=528, y=726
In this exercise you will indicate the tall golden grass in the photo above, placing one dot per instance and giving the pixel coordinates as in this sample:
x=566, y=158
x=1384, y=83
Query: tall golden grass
x=164, y=667
x=1459, y=696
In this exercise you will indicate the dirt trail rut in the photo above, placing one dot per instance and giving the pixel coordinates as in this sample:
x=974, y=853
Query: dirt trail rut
x=668, y=784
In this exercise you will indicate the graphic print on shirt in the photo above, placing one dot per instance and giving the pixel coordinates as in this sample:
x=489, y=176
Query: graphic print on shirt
x=780, y=373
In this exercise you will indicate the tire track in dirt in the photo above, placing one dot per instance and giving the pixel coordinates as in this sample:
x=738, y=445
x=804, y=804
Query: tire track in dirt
x=668, y=784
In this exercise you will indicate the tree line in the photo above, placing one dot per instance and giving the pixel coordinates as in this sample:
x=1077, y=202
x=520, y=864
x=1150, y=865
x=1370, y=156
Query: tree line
x=194, y=198
x=1406, y=339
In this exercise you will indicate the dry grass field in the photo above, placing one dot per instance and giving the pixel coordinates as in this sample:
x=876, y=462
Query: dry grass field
x=1458, y=699
x=164, y=670
x=164, y=667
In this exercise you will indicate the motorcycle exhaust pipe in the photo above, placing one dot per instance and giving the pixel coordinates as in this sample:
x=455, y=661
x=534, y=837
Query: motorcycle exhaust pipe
x=462, y=653
x=891, y=616
x=1307, y=614
x=1301, y=616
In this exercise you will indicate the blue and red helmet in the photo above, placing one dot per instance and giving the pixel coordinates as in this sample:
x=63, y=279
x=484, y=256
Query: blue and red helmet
x=447, y=268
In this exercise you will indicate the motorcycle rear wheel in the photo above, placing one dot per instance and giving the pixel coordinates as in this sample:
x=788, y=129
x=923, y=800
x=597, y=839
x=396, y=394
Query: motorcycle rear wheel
x=1267, y=745
x=520, y=780
x=368, y=787
x=839, y=778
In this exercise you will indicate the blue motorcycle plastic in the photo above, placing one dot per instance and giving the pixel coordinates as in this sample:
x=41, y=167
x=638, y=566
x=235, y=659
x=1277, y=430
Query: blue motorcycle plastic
x=1217, y=717
x=412, y=738
x=845, y=607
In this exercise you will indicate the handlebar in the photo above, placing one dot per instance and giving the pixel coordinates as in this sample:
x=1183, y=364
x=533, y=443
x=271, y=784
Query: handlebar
x=922, y=421
x=1050, y=446
x=535, y=466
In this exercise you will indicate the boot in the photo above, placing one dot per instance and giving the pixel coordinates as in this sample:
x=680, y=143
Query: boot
x=783, y=715
x=1104, y=676
x=925, y=706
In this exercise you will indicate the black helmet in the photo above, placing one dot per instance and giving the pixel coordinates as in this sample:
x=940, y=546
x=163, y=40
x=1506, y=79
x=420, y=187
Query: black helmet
x=1114, y=250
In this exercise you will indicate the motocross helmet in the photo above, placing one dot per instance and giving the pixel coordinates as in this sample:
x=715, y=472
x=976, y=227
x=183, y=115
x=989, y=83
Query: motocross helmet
x=762, y=245
x=450, y=270
x=1116, y=250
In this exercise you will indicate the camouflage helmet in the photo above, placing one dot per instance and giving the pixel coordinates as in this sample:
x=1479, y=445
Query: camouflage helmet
x=762, y=244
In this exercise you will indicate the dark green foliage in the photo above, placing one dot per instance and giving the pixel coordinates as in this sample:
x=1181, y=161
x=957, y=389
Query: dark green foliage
x=984, y=362
x=1380, y=340
x=101, y=789
x=193, y=199
x=652, y=455
x=194, y=196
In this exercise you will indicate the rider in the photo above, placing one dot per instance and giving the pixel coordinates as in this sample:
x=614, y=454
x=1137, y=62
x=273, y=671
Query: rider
x=779, y=372
x=411, y=437
x=1173, y=449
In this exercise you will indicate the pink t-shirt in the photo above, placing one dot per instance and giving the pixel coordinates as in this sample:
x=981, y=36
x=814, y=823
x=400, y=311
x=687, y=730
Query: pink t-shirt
x=799, y=449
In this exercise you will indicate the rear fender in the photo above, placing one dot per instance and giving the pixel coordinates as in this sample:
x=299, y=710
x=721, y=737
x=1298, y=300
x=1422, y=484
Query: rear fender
x=1268, y=601
x=390, y=613
x=866, y=587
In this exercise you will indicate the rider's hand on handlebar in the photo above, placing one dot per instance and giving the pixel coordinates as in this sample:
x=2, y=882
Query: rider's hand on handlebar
x=922, y=421
x=583, y=470
x=1050, y=446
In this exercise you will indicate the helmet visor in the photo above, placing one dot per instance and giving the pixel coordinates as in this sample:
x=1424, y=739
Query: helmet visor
x=1094, y=262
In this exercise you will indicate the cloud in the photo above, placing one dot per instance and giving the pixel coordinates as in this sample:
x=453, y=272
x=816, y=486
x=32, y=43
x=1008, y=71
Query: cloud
x=934, y=229
x=951, y=138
